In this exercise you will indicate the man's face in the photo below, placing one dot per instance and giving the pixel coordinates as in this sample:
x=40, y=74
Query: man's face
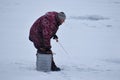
x=62, y=20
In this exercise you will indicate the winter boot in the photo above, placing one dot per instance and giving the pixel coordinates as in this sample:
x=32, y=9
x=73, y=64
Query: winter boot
x=54, y=67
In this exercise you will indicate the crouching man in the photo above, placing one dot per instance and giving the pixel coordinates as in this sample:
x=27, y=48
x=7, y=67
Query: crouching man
x=43, y=29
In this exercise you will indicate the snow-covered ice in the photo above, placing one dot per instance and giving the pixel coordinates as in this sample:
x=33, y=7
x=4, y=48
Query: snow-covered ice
x=90, y=35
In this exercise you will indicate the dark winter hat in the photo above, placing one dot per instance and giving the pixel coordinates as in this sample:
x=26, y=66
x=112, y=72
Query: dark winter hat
x=61, y=16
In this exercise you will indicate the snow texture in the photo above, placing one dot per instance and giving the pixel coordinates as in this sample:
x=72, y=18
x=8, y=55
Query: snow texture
x=90, y=35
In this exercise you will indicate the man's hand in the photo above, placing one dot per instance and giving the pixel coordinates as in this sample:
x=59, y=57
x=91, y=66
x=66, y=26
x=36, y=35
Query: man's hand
x=55, y=37
x=56, y=40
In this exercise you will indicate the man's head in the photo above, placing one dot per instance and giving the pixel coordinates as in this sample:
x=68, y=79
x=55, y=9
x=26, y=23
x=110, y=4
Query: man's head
x=61, y=16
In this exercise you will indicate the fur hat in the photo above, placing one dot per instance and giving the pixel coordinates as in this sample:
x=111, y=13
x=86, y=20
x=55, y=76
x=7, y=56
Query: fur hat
x=61, y=16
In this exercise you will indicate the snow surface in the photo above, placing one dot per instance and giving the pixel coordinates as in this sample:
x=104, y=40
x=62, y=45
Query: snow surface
x=90, y=35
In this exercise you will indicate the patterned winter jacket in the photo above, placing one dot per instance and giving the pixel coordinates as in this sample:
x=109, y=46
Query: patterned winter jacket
x=43, y=29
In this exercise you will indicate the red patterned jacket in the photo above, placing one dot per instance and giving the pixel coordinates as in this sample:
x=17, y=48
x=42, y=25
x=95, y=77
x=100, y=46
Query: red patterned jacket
x=43, y=29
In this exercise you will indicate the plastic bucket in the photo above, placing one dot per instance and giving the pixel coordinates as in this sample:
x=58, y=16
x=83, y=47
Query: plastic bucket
x=43, y=62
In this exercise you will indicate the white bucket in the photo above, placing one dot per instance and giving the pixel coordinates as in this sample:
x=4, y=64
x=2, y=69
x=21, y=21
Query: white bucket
x=43, y=62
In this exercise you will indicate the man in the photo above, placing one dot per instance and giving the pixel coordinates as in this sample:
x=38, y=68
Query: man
x=45, y=28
